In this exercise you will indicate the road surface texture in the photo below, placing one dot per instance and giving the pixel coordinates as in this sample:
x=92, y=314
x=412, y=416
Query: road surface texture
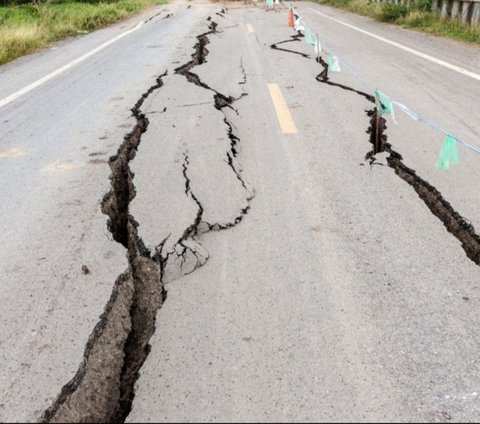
x=191, y=231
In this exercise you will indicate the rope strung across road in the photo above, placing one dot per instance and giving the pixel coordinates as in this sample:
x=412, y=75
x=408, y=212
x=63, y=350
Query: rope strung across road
x=448, y=154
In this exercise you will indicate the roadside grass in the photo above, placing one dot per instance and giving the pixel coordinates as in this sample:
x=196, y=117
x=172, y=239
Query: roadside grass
x=417, y=14
x=28, y=27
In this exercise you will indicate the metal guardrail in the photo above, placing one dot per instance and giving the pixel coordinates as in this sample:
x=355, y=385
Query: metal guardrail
x=467, y=11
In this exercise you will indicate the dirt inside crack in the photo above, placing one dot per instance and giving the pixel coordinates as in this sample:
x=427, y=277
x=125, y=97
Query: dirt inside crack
x=441, y=208
x=455, y=224
x=102, y=388
x=99, y=373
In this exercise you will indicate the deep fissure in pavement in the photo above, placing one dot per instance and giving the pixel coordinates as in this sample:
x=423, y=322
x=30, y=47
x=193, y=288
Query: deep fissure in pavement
x=293, y=38
x=102, y=390
x=433, y=199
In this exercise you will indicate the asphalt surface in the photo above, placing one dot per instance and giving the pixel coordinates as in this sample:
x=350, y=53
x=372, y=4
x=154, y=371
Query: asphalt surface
x=312, y=286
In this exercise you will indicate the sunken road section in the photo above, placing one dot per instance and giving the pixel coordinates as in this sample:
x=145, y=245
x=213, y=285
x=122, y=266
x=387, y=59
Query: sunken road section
x=102, y=389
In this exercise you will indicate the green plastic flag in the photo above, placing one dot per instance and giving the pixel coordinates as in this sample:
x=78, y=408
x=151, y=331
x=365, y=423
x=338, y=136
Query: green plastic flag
x=385, y=105
x=448, y=154
x=309, y=36
x=385, y=102
x=329, y=59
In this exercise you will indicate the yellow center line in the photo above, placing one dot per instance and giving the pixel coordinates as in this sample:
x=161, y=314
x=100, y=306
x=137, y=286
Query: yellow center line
x=12, y=151
x=287, y=125
x=250, y=28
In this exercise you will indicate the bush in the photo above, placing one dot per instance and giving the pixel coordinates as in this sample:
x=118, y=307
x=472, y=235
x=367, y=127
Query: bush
x=390, y=12
x=19, y=2
x=24, y=28
x=421, y=5
x=363, y=7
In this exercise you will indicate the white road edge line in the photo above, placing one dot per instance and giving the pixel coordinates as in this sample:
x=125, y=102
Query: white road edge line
x=43, y=80
x=405, y=48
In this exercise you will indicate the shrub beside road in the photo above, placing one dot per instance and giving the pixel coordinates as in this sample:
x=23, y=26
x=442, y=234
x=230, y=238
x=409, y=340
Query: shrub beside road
x=26, y=26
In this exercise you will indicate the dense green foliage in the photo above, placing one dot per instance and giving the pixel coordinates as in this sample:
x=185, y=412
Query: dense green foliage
x=26, y=27
x=20, y=2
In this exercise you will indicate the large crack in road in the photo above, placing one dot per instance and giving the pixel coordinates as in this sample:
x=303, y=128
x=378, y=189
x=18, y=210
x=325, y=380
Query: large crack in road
x=102, y=389
x=293, y=38
x=455, y=224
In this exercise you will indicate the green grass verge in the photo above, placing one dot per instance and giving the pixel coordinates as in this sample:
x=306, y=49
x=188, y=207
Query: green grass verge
x=416, y=15
x=28, y=27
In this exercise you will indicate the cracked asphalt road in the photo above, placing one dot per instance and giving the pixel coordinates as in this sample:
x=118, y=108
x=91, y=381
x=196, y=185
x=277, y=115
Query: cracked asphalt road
x=244, y=274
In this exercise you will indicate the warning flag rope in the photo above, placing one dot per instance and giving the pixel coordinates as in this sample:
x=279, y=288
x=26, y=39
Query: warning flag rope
x=448, y=154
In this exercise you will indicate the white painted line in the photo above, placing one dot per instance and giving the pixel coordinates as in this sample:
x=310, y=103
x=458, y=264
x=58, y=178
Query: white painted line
x=405, y=48
x=43, y=80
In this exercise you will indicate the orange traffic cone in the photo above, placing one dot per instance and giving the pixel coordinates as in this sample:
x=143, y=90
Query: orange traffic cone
x=290, y=18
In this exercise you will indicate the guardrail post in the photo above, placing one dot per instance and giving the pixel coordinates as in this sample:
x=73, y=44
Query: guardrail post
x=466, y=11
x=455, y=9
x=475, y=20
x=444, y=12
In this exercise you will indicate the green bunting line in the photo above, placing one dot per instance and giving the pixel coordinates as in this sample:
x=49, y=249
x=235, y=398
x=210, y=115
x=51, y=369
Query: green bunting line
x=448, y=152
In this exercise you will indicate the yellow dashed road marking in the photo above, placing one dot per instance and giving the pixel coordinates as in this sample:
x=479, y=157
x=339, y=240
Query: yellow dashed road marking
x=12, y=151
x=287, y=125
x=250, y=28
